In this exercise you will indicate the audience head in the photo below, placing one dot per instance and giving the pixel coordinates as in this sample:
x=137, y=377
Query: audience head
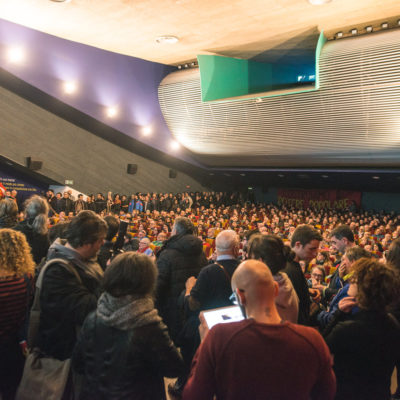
x=254, y=286
x=393, y=254
x=305, y=242
x=183, y=226
x=342, y=237
x=318, y=273
x=8, y=213
x=112, y=226
x=227, y=242
x=58, y=231
x=271, y=250
x=130, y=274
x=15, y=254
x=36, y=211
x=145, y=242
x=377, y=285
x=87, y=231
x=353, y=254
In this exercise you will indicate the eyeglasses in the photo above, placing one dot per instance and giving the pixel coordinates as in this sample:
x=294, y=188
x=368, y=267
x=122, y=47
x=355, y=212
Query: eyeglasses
x=317, y=276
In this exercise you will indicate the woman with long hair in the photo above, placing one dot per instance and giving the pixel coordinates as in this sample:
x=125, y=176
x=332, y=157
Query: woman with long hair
x=35, y=226
x=124, y=349
x=8, y=213
x=271, y=250
x=16, y=270
x=366, y=348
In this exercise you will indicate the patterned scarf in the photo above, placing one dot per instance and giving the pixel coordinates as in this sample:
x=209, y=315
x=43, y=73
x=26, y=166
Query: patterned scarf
x=126, y=312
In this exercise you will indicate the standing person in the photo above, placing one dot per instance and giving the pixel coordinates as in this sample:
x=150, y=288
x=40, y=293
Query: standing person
x=262, y=356
x=124, y=350
x=305, y=243
x=8, y=213
x=271, y=251
x=64, y=301
x=16, y=270
x=366, y=348
x=35, y=226
x=180, y=257
x=80, y=204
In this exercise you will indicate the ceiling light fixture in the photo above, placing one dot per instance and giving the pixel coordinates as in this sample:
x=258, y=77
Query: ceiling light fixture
x=398, y=22
x=354, y=31
x=146, y=131
x=376, y=177
x=369, y=29
x=324, y=176
x=16, y=55
x=70, y=87
x=319, y=2
x=339, y=35
x=175, y=145
x=167, y=39
x=111, y=112
x=385, y=25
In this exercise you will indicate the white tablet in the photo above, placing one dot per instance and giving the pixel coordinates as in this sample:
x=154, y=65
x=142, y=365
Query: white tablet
x=222, y=315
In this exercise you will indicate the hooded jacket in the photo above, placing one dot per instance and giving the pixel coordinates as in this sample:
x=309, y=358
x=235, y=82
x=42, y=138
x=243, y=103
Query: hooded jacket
x=64, y=301
x=180, y=258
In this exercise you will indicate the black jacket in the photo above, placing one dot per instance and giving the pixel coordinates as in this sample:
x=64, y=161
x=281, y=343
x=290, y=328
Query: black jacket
x=180, y=258
x=122, y=365
x=295, y=274
x=65, y=302
x=39, y=243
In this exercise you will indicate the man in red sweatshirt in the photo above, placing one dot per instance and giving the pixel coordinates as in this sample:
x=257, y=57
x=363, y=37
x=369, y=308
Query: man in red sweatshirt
x=261, y=357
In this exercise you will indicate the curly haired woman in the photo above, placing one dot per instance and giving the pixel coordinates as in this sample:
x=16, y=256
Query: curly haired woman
x=16, y=270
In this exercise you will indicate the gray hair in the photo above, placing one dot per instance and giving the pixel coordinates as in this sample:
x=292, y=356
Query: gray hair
x=226, y=240
x=37, y=210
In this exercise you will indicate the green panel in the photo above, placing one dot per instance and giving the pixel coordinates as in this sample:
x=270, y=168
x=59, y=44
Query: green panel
x=225, y=77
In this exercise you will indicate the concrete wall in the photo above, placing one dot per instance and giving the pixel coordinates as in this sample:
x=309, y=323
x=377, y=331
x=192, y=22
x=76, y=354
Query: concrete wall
x=69, y=152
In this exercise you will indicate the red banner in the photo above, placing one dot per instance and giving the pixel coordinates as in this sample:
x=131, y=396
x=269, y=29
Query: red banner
x=318, y=198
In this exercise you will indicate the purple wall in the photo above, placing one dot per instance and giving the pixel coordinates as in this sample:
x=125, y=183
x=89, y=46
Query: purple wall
x=104, y=78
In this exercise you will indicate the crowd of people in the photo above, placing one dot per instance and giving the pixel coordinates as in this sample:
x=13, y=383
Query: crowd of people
x=123, y=284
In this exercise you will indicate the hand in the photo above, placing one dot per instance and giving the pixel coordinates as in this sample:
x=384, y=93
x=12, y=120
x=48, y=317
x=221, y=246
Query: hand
x=315, y=294
x=189, y=284
x=203, y=327
x=342, y=270
x=347, y=304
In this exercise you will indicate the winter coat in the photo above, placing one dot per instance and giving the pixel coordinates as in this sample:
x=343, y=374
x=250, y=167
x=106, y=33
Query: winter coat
x=65, y=302
x=180, y=258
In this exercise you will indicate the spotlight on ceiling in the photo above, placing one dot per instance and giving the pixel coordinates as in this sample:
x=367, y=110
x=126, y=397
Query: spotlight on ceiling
x=174, y=145
x=167, y=39
x=70, y=87
x=146, y=131
x=398, y=22
x=112, y=112
x=242, y=174
x=369, y=29
x=376, y=177
x=186, y=65
x=339, y=35
x=179, y=66
x=16, y=55
x=281, y=175
x=385, y=25
x=354, y=31
x=319, y=2
x=324, y=176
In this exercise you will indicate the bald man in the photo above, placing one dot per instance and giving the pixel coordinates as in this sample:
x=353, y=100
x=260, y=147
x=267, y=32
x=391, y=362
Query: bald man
x=261, y=357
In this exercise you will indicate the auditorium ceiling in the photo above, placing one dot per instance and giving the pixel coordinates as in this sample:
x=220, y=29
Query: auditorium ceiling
x=236, y=28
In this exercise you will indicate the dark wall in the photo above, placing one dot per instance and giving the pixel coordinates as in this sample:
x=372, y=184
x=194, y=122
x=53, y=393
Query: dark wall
x=70, y=152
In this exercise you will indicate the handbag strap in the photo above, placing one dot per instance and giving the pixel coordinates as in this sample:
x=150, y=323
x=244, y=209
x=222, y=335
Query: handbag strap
x=225, y=272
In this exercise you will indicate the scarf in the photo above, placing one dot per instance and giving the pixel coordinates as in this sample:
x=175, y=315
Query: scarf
x=126, y=312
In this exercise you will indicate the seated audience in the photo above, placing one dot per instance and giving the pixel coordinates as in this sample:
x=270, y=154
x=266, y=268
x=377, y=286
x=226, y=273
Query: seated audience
x=124, y=349
x=262, y=356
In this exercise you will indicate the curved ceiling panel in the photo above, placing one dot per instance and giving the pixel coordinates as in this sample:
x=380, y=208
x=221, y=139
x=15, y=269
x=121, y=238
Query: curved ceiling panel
x=353, y=118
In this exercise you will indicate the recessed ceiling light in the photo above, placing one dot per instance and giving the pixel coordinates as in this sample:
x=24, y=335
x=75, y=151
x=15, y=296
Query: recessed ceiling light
x=146, y=131
x=319, y=2
x=369, y=29
x=339, y=34
x=211, y=174
x=112, y=112
x=324, y=176
x=174, y=145
x=385, y=25
x=70, y=87
x=16, y=55
x=376, y=177
x=167, y=39
x=354, y=31
x=242, y=174
x=281, y=175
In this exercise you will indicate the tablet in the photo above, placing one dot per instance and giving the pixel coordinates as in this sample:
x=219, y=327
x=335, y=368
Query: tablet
x=222, y=315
